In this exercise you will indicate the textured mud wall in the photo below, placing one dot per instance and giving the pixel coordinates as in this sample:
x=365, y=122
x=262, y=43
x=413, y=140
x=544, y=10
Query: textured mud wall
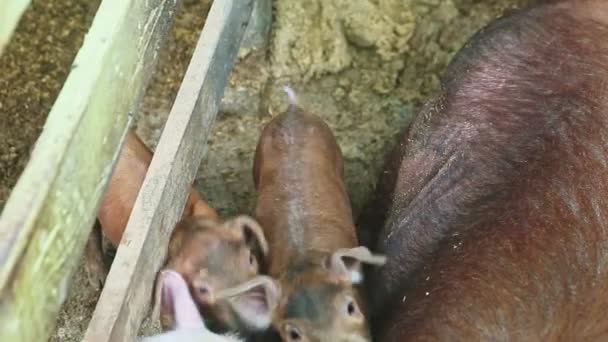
x=317, y=37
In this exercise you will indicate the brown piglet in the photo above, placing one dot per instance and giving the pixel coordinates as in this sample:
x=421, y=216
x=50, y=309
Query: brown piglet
x=124, y=185
x=305, y=211
x=493, y=211
x=118, y=201
x=216, y=257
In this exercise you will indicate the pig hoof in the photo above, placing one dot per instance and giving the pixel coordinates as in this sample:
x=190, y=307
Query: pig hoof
x=94, y=264
x=96, y=273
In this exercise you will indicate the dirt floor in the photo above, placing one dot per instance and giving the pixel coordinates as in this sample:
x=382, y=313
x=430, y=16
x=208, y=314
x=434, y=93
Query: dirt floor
x=33, y=67
x=365, y=75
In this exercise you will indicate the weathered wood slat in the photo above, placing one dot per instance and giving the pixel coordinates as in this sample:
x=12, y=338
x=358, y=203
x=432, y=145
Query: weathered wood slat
x=126, y=297
x=46, y=221
x=10, y=13
x=258, y=29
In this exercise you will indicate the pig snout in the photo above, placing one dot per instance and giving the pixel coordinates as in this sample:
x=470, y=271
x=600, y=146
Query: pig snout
x=495, y=224
x=305, y=211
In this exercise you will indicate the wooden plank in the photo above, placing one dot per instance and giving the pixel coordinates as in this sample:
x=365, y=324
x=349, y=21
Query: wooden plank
x=258, y=29
x=126, y=297
x=46, y=221
x=10, y=14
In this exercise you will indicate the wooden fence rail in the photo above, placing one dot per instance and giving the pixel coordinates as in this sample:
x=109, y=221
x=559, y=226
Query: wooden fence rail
x=48, y=217
x=126, y=296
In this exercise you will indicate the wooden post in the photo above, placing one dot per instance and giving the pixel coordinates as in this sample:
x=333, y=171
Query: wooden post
x=256, y=35
x=49, y=215
x=126, y=296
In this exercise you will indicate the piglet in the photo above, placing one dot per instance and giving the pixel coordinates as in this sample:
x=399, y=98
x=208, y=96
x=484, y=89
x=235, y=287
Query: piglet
x=305, y=212
x=124, y=185
x=117, y=204
x=493, y=211
x=214, y=256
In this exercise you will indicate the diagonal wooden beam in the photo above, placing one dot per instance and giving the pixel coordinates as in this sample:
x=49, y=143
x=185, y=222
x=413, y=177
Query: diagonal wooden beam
x=126, y=296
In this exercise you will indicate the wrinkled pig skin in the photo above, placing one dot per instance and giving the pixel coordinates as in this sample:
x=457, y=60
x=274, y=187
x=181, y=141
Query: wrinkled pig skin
x=493, y=209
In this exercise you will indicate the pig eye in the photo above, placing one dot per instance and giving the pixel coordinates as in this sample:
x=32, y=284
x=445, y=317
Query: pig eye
x=351, y=307
x=203, y=290
x=292, y=333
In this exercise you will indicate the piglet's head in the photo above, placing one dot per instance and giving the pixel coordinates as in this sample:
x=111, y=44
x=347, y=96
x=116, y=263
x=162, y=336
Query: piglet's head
x=212, y=257
x=187, y=324
x=321, y=302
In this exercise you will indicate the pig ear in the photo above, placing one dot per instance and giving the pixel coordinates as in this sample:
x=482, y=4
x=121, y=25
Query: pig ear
x=177, y=238
x=346, y=263
x=160, y=313
x=252, y=232
x=253, y=302
x=173, y=304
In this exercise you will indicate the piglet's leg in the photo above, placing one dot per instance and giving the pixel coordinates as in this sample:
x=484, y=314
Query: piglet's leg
x=95, y=267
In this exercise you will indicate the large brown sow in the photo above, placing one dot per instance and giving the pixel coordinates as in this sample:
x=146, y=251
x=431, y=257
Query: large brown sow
x=493, y=211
